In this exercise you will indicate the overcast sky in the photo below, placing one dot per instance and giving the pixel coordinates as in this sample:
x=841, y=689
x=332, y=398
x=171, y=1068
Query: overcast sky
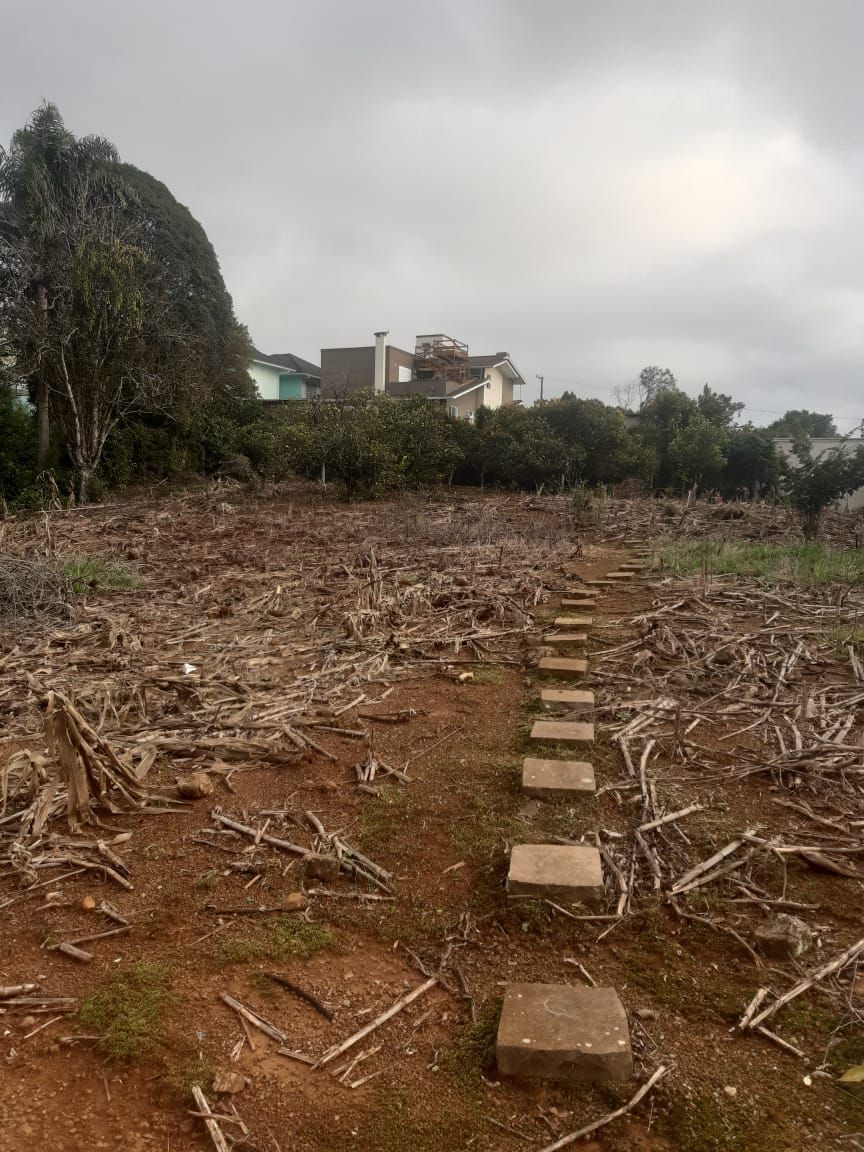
x=591, y=186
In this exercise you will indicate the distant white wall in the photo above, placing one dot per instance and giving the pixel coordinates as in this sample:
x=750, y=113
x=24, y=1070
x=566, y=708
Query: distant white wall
x=266, y=379
x=819, y=445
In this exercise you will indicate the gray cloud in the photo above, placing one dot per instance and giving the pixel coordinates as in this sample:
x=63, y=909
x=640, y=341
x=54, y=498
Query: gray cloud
x=592, y=186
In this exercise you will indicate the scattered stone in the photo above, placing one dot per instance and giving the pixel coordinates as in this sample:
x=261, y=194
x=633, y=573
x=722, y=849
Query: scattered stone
x=784, y=937
x=563, y=667
x=731, y=1091
x=194, y=786
x=551, y=779
x=570, y=872
x=645, y=1014
x=321, y=867
x=88, y=903
x=567, y=699
x=228, y=1083
x=564, y=731
x=558, y=1032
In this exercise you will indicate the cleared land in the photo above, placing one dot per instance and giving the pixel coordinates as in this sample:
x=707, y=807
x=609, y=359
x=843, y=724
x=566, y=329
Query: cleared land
x=361, y=682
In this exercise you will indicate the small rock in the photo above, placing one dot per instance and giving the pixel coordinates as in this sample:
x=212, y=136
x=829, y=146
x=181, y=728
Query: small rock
x=645, y=1014
x=195, y=786
x=28, y=1022
x=88, y=903
x=321, y=867
x=784, y=937
x=294, y=902
x=228, y=1082
x=731, y=1091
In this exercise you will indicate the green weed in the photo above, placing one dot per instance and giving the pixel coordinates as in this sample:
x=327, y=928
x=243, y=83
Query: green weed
x=286, y=937
x=129, y=1013
x=471, y=1053
x=805, y=564
x=86, y=573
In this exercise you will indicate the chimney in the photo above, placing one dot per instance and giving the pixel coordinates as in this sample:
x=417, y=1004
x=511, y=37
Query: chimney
x=380, y=362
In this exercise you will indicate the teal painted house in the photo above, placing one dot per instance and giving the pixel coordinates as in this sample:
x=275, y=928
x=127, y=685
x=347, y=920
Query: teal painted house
x=285, y=377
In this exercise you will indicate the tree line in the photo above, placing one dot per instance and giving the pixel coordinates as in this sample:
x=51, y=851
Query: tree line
x=116, y=323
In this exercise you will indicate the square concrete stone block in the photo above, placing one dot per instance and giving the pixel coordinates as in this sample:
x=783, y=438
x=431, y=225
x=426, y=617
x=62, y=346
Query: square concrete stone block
x=555, y=1032
x=563, y=667
x=571, y=622
x=574, y=601
x=557, y=779
x=564, y=731
x=567, y=699
x=566, y=638
x=557, y=871
x=619, y=575
x=600, y=583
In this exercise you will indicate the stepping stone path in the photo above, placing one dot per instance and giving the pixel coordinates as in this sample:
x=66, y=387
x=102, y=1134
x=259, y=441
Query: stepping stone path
x=563, y=731
x=562, y=667
x=567, y=699
x=559, y=1031
x=557, y=871
x=557, y=779
x=565, y=638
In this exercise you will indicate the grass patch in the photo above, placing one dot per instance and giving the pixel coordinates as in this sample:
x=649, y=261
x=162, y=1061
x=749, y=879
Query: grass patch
x=88, y=573
x=471, y=1054
x=383, y=817
x=489, y=674
x=130, y=1013
x=701, y=1125
x=806, y=564
x=285, y=938
x=182, y=1078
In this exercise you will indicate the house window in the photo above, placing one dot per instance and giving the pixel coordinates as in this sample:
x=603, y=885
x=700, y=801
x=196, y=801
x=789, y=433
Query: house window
x=476, y=373
x=453, y=410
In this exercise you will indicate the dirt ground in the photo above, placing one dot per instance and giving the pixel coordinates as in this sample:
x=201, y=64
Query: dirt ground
x=234, y=633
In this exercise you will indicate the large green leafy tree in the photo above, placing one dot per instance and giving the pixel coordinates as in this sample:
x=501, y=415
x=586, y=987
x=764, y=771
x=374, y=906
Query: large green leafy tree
x=696, y=452
x=798, y=422
x=111, y=295
x=43, y=177
x=595, y=434
x=751, y=461
x=517, y=447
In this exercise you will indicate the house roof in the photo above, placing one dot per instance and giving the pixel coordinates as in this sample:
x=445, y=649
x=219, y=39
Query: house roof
x=288, y=361
x=497, y=360
x=472, y=387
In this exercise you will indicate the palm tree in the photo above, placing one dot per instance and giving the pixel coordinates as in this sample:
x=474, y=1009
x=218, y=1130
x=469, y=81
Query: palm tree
x=42, y=176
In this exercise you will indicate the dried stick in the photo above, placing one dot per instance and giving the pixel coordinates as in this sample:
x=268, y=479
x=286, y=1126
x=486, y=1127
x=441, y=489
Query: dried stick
x=672, y=816
x=572, y=1137
x=302, y=993
x=219, y=1141
x=802, y=986
x=705, y=866
x=252, y=1018
x=332, y=1053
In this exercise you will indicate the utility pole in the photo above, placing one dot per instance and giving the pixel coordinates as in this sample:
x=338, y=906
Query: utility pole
x=540, y=378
